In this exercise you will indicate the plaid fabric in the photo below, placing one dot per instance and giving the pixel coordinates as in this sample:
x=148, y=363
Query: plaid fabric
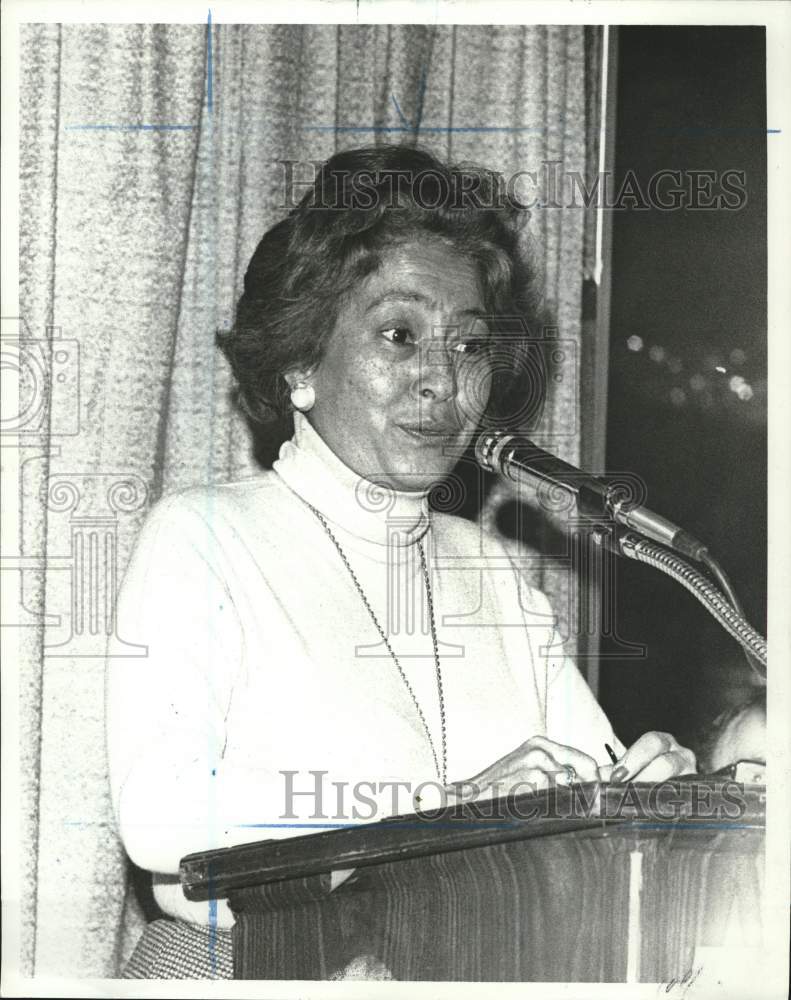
x=173, y=949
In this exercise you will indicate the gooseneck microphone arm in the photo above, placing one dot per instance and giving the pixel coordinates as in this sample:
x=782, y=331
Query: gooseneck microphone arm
x=516, y=458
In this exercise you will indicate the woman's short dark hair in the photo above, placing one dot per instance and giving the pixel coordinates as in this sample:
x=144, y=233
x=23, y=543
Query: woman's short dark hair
x=362, y=202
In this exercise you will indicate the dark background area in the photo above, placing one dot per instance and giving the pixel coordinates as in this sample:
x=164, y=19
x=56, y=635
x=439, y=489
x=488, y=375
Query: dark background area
x=691, y=285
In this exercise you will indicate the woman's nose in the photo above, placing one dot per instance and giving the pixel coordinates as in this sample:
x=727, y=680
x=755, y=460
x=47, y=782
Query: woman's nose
x=436, y=375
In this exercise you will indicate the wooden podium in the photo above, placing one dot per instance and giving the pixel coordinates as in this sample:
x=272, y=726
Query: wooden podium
x=594, y=883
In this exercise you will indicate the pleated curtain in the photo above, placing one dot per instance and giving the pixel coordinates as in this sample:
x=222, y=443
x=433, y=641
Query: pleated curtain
x=133, y=245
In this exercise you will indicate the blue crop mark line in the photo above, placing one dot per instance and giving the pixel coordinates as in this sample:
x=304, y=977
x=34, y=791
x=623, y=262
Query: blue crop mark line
x=425, y=128
x=213, y=935
x=294, y=826
x=390, y=824
x=156, y=127
x=483, y=129
x=696, y=825
x=415, y=126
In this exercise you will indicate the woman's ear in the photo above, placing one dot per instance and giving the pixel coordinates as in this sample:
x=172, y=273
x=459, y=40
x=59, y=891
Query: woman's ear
x=298, y=375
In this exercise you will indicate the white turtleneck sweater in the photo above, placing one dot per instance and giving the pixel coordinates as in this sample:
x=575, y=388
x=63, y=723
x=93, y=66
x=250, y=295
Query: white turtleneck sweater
x=262, y=658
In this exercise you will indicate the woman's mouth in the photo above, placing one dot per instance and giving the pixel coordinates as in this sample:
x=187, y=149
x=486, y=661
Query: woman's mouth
x=428, y=434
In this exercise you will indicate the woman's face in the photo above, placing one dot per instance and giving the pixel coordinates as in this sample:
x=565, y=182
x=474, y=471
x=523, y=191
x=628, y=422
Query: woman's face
x=404, y=378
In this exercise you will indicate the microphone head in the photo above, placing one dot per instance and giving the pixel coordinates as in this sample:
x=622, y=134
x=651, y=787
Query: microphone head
x=485, y=448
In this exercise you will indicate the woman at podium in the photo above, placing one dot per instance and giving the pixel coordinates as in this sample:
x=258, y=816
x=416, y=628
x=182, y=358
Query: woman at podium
x=323, y=646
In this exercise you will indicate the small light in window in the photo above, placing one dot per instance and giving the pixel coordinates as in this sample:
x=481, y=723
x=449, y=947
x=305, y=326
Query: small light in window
x=737, y=356
x=745, y=392
x=634, y=343
x=677, y=396
x=735, y=382
x=697, y=382
x=720, y=368
x=675, y=365
x=657, y=353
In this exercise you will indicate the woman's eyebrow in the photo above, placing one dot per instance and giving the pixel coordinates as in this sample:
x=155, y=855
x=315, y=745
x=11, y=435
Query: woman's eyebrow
x=410, y=295
x=399, y=295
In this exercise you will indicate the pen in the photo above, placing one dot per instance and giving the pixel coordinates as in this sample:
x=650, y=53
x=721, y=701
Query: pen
x=610, y=753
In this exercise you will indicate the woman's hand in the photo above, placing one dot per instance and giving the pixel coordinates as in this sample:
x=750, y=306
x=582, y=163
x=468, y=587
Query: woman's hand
x=653, y=757
x=537, y=763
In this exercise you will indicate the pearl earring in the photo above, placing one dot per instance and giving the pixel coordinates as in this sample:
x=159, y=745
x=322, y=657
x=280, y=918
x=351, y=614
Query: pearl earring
x=303, y=396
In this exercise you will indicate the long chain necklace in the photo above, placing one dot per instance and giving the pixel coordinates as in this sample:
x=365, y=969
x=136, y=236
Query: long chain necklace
x=442, y=771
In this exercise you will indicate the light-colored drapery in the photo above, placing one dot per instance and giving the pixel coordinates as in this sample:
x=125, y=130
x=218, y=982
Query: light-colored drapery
x=133, y=243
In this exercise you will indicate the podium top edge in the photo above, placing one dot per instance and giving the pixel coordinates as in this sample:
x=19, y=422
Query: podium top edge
x=705, y=807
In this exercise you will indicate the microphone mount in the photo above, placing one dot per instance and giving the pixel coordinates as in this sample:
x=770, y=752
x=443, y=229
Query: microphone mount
x=637, y=532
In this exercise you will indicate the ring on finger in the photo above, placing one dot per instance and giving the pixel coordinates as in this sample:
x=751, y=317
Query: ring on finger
x=571, y=773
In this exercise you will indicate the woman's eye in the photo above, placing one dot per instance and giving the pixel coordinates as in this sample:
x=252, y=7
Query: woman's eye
x=398, y=335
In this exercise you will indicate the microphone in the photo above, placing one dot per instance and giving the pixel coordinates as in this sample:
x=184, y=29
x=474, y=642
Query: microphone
x=516, y=458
